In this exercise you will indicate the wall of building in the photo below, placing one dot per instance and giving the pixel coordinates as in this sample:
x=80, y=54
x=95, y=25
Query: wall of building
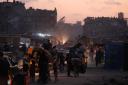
x=102, y=29
x=16, y=19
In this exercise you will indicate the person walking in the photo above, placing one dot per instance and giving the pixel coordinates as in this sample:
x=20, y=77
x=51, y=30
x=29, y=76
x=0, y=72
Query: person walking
x=43, y=67
x=69, y=64
x=4, y=67
x=55, y=61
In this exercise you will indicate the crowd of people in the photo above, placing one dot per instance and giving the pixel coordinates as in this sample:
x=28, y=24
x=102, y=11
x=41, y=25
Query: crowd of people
x=40, y=60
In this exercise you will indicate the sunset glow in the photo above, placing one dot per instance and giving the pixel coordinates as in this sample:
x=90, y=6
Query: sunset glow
x=77, y=10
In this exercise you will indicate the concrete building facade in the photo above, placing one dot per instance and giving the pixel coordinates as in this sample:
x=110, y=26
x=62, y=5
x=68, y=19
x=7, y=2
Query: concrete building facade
x=103, y=29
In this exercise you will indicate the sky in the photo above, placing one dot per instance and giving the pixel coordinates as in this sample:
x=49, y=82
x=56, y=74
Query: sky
x=78, y=10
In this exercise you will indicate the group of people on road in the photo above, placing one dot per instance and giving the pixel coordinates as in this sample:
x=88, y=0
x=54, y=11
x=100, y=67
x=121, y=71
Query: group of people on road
x=29, y=63
x=41, y=59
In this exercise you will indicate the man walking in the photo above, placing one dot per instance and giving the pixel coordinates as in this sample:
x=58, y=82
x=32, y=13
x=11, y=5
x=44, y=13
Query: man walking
x=4, y=67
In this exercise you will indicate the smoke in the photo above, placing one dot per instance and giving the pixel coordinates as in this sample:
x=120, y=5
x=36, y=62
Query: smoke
x=68, y=31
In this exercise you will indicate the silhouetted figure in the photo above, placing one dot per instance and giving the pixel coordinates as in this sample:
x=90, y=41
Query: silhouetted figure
x=55, y=62
x=20, y=53
x=43, y=66
x=76, y=59
x=19, y=78
x=47, y=45
x=69, y=64
x=24, y=48
x=4, y=67
x=61, y=61
x=99, y=56
x=32, y=68
x=26, y=64
x=55, y=65
x=91, y=54
x=97, y=59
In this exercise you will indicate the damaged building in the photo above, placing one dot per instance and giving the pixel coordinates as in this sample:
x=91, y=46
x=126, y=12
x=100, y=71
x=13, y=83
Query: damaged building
x=16, y=19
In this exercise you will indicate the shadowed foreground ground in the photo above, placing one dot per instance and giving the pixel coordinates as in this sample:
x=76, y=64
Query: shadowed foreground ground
x=93, y=76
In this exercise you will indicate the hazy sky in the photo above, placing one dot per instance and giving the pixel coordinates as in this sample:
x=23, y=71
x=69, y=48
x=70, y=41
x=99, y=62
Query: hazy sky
x=77, y=10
